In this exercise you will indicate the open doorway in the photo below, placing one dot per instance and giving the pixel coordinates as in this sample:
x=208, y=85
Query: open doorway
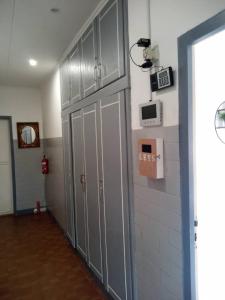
x=209, y=165
x=7, y=193
x=201, y=94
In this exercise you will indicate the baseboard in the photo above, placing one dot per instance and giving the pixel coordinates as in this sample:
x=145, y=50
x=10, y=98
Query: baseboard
x=29, y=211
x=22, y=212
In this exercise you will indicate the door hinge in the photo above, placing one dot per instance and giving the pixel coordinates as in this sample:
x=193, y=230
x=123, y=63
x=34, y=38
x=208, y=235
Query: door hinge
x=196, y=237
x=195, y=225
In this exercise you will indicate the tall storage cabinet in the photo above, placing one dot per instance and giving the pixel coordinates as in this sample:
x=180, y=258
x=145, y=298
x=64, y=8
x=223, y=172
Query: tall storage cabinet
x=95, y=133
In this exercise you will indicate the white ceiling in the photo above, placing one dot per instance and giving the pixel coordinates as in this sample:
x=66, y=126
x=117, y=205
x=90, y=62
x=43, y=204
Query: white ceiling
x=29, y=29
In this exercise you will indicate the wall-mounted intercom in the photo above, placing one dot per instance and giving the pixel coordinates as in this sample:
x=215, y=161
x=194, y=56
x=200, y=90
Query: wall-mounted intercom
x=162, y=79
x=150, y=154
x=150, y=113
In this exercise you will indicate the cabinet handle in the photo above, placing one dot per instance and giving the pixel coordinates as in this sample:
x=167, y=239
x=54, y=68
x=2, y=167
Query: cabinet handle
x=83, y=181
x=99, y=70
x=101, y=190
x=95, y=74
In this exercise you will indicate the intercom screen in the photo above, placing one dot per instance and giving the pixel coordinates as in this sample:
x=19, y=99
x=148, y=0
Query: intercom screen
x=149, y=112
x=147, y=148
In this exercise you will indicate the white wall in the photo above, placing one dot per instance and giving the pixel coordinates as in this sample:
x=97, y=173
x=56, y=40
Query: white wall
x=169, y=20
x=23, y=104
x=139, y=26
x=51, y=106
x=158, y=225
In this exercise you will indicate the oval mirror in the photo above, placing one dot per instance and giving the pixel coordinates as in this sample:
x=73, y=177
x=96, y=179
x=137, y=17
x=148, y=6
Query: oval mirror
x=28, y=135
x=220, y=122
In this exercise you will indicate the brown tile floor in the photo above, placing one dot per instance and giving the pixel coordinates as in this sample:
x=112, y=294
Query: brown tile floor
x=37, y=262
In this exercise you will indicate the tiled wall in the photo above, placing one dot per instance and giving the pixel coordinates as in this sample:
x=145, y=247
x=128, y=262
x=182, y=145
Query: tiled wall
x=157, y=206
x=54, y=183
x=29, y=179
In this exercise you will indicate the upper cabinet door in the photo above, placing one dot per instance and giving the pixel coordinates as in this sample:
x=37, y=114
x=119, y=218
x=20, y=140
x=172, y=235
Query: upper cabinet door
x=75, y=74
x=89, y=61
x=65, y=84
x=111, y=43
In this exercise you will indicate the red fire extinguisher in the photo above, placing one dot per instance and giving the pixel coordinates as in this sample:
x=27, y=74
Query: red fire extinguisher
x=44, y=165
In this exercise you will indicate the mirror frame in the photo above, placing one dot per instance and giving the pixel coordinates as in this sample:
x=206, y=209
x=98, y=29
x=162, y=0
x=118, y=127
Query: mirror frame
x=21, y=143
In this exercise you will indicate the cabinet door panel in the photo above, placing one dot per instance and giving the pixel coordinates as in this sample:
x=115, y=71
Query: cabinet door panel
x=115, y=195
x=75, y=74
x=68, y=181
x=110, y=36
x=92, y=190
x=78, y=167
x=89, y=71
x=65, y=84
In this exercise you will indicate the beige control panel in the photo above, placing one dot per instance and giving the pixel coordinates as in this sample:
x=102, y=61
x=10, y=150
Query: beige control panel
x=150, y=154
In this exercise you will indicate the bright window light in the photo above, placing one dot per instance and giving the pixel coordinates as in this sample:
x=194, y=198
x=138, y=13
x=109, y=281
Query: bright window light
x=209, y=180
x=32, y=62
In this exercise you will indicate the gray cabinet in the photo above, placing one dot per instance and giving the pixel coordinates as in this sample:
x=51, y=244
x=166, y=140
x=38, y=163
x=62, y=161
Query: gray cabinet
x=89, y=60
x=75, y=74
x=99, y=151
x=110, y=41
x=101, y=192
x=79, y=183
x=65, y=84
x=98, y=58
x=68, y=180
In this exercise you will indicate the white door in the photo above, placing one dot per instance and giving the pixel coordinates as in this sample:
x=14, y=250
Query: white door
x=209, y=166
x=6, y=189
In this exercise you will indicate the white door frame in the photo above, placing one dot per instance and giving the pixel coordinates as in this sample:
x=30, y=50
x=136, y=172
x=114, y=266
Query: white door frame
x=185, y=43
x=9, y=119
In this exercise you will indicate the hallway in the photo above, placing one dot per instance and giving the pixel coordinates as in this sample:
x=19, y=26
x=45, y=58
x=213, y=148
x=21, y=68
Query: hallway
x=37, y=262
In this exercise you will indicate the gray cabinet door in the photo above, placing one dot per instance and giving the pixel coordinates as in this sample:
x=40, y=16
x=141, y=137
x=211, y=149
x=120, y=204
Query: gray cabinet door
x=79, y=182
x=92, y=190
x=115, y=196
x=89, y=61
x=111, y=44
x=68, y=180
x=75, y=74
x=65, y=84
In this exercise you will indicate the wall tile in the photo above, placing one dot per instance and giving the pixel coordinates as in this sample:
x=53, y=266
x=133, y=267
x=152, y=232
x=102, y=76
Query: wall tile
x=157, y=214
